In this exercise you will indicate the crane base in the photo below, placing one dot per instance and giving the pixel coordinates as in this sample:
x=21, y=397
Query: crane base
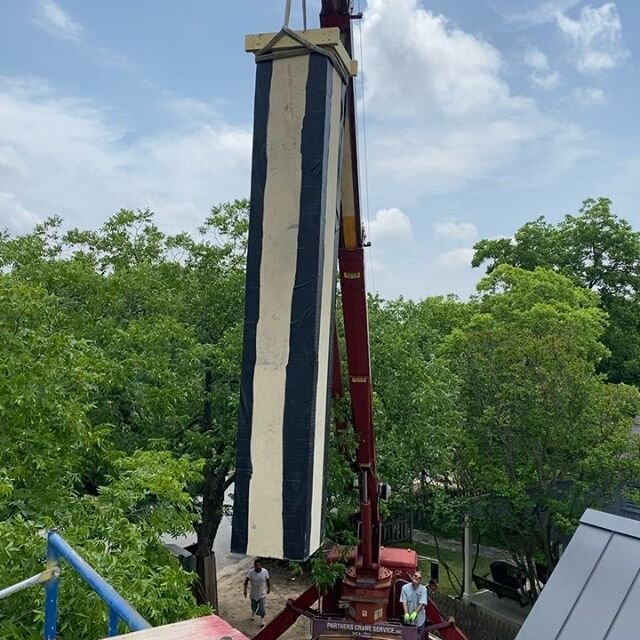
x=367, y=593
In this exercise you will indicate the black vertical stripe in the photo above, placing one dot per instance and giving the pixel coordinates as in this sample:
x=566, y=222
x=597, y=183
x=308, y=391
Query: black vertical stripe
x=244, y=469
x=302, y=367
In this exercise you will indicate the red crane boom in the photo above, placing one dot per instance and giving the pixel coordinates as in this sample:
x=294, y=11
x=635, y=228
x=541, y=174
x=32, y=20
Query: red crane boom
x=337, y=13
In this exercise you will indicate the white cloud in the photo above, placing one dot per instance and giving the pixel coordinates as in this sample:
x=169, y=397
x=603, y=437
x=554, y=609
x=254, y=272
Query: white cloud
x=440, y=113
x=455, y=259
x=376, y=269
x=541, y=75
x=524, y=16
x=390, y=224
x=108, y=58
x=14, y=216
x=68, y=156
x=596, y=37
x=10, y=160
x=546, y=81
x=417, y=63
x=191, y=108
x=456, y=230
x=536, y=59
x=590, y=95
x=51, y=17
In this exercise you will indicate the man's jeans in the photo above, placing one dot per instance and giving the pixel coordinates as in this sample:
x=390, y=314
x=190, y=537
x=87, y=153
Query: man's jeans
x=258, y=608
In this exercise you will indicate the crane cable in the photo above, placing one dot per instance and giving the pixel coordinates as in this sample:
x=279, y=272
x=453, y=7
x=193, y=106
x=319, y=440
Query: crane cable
x=287, y=13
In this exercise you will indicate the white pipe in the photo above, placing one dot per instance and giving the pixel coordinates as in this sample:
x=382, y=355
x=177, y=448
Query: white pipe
x=467, y=557
x=29, y=582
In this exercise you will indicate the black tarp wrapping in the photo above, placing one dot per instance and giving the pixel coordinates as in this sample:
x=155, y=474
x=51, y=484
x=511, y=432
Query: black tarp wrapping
x=280, y=482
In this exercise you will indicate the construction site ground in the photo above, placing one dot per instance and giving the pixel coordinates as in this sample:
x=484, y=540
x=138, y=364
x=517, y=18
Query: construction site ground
x=235, y=609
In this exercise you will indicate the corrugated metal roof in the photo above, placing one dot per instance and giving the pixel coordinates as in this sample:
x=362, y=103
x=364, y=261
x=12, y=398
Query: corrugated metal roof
x=594, y=593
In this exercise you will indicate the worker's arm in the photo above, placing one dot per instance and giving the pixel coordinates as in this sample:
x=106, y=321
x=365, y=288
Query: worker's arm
x=422, y=603
x=246, y=582
x=403, y=600
x=268, y=585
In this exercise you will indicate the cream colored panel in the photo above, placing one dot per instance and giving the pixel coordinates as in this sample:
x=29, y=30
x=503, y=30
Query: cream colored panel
x=326, y=314
x=277, y=277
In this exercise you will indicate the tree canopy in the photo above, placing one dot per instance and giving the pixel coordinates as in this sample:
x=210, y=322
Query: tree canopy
x=545, y=436
x=120, y=355
x=596, y=250
x=120, y=358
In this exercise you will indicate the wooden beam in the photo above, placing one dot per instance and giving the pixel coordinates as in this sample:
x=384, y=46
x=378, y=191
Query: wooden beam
x=325, y=38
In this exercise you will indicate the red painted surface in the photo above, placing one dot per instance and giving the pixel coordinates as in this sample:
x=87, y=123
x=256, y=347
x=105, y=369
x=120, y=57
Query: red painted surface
x=337, y=388
x=399, y=559
x=446, y=627
x=367, y=583
x=205, y=628
x=337, y=13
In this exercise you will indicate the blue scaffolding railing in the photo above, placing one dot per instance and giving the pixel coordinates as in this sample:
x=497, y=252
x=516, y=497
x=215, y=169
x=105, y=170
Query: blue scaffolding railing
x=58, y=548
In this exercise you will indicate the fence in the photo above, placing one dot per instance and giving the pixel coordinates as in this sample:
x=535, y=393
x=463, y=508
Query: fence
x=475, y=622
x=400, y=530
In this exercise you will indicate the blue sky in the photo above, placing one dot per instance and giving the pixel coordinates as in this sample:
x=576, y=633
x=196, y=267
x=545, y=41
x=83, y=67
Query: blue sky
x=480, y=115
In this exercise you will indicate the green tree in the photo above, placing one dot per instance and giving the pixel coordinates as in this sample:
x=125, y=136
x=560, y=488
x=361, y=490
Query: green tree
x=597, y=250
x=415, y=395
x=118, y=344
x=118, y=532
x=167, y=312
x=544, y=435
x=48, y=378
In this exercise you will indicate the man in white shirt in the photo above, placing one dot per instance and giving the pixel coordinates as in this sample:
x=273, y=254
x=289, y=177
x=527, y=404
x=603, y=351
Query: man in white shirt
x=414, y=602
x=258, y=577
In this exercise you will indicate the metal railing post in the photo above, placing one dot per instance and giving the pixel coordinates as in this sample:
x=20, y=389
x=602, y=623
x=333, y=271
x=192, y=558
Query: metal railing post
x=51, y=592
x=467, y=558
x=111, y=597
x=114, y=620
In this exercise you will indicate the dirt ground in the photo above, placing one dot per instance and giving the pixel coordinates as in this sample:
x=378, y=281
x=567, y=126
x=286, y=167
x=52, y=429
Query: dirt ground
x=237, y=611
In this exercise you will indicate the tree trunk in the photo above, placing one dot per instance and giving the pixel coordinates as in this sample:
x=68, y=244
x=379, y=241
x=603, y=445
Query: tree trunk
x=215, y=477
x=212, y=501
x=213, y=487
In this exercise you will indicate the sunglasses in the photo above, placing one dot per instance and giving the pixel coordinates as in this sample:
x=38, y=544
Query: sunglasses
x=417, y=576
